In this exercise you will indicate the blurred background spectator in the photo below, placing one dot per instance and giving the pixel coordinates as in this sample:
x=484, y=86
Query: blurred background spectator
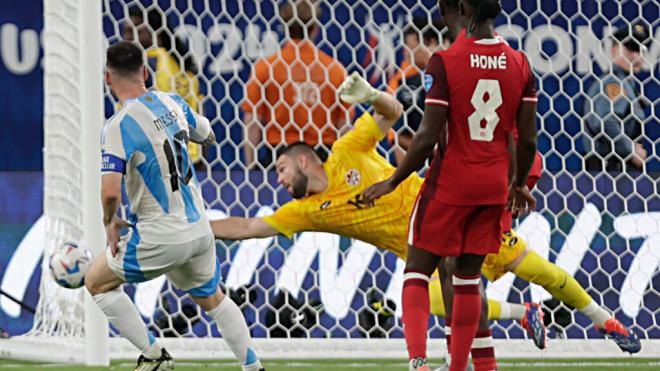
x=421, y=38
x=172, y=65
x=614, y=115
x=292, y=94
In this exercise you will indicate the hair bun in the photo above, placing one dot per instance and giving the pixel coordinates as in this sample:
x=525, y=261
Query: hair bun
x=485, y=9
x=492, y=8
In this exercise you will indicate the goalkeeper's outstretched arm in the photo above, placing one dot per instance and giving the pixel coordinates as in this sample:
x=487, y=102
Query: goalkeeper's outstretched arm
x=356, y=90
x=237, y=228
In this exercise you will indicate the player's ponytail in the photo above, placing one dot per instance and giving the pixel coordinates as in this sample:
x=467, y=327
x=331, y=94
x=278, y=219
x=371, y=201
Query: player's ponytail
x=483, y=11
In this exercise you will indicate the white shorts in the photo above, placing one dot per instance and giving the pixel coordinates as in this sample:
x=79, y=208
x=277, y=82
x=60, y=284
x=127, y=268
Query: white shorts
x=190, y=266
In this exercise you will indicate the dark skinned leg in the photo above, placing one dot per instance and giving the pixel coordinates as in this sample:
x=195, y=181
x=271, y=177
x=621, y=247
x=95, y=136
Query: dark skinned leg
x=420, y=264
x=467, y=307
x=421, y=261
x=470, y=265
x=446, y=269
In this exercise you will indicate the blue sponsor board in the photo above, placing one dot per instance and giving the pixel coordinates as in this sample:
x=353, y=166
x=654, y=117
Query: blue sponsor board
x=617, y=261
x=21, y=205
x=21, y=78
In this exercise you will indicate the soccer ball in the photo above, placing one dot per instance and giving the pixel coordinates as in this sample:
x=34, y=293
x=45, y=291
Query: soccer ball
x=68, y=265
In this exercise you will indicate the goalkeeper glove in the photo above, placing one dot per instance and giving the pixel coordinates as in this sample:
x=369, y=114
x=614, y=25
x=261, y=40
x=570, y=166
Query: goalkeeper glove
x=355, y=89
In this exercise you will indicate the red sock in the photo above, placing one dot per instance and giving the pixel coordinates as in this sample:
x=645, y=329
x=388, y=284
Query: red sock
x=416, y=309
x=448, y=333
x=465, y=319
x=483, y=353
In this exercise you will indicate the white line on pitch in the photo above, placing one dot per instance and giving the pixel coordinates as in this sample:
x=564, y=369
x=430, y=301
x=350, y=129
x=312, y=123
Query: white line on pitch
x=303, y=364
x=579, y=364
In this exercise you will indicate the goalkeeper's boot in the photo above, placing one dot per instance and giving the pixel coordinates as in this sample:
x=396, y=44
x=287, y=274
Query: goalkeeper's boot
x=418, y=364
x=624, y=337
x=164, y=363
x=533, y=323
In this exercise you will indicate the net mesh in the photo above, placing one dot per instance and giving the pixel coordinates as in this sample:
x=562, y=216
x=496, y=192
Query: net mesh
x=60, y=311
x=603, y=227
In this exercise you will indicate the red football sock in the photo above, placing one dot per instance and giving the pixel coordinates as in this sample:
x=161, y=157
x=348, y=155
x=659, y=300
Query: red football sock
x=483, y=353
x=448, y=333
x=416, y=309
x=465, y=319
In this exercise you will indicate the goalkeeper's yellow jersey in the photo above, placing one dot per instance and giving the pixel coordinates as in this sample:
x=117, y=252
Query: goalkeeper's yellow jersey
x=354, y=165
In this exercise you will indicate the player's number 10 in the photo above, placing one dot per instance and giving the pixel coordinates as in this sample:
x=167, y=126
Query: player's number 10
x=485, y=110
x=176, y=165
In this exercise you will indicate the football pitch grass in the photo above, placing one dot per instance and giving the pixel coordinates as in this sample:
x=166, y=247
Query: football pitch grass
x=618, y=364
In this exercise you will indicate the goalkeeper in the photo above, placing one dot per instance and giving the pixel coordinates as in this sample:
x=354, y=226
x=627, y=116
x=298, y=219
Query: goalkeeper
x=328, y=199
x=328, y=195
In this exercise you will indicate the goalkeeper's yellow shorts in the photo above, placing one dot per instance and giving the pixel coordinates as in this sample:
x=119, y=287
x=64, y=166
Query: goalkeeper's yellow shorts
x=495, y=265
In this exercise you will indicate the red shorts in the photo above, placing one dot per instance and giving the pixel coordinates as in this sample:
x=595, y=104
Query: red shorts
x=449, y=230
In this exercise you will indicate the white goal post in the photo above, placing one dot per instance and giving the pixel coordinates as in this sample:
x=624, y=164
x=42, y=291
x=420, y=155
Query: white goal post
x=601, y=227
x=73, y=117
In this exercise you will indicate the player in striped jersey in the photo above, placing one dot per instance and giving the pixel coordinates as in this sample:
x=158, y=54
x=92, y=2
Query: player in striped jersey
x=145, y=153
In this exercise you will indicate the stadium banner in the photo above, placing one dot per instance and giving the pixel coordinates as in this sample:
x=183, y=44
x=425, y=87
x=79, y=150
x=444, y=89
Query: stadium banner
x=21, y=78
x=603, y=232
x=368, y=38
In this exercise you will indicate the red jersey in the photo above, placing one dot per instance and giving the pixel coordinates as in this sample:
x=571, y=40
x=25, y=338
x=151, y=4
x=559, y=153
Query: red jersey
x=537, y=165
x=482, y=82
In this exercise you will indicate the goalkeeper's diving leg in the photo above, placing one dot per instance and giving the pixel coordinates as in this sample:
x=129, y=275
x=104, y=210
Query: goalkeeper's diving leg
x=533, y=268
x=497, y=310
x=529, y=314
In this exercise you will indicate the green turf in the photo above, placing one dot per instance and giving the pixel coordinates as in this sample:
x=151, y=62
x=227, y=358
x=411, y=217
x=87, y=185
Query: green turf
x=636, y=364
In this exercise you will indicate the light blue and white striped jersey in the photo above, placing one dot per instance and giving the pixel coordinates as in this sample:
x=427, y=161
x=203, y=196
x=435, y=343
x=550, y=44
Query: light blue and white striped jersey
x=147, y=142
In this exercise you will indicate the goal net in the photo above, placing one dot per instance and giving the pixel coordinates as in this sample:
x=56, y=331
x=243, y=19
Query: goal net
x=314, y=295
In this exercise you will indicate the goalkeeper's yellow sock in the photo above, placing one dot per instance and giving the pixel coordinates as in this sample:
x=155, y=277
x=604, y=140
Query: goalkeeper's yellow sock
x=503, y=310
x=435, y=295
x=561, y=285
x=496, y=310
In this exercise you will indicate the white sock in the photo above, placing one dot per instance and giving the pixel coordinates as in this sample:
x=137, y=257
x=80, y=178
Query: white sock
x=512, y=311
x=123, y=314
x=234, y=330
x=597, y=314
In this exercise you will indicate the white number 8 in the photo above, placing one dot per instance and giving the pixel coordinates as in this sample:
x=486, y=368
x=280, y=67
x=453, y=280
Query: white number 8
x=485, y=110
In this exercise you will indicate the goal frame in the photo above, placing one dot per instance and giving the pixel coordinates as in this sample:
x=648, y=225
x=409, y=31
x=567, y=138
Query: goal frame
x=96, y=348
x=92, y=115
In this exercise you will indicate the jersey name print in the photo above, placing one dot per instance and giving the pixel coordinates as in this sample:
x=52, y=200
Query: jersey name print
x=147, y=141
x=488, y=82
x=489, y=62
